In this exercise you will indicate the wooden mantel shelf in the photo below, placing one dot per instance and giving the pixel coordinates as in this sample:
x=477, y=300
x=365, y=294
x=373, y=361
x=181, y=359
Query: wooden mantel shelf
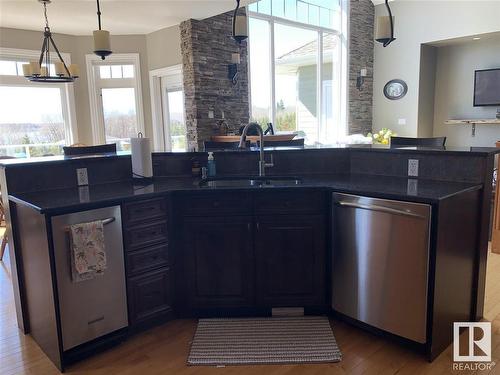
x=490, y=121
x=474, y=122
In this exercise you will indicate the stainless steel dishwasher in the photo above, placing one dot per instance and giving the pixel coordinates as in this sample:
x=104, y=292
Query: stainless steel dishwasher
x=380, y=263
x=91, y=308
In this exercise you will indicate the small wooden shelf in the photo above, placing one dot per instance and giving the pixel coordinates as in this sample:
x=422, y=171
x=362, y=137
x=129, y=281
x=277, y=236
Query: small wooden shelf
x=490, y=121
x=473, y=122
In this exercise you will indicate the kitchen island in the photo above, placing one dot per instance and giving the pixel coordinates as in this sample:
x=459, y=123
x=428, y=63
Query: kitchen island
x=179, y=236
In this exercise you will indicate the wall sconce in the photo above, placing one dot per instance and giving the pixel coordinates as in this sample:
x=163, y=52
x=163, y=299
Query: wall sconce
x=384, y=31
x=361, y=79
x=232, y=69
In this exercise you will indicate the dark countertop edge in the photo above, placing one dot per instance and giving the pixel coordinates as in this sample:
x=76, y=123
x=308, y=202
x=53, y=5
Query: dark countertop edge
x=119, y=200
x=57, y=159
x=476, y=151
x=473, y=151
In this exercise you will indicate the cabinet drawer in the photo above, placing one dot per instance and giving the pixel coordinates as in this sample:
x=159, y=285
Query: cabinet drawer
x=216, y=204
x=136, y=212
x=144, y=235
x=150, y=296
x=289, y=201
x=147, y=259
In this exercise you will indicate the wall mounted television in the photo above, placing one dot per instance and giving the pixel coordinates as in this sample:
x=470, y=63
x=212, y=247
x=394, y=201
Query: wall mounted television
x=487, y=87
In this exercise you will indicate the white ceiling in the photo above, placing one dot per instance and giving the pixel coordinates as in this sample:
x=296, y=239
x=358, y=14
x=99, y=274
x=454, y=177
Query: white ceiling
x=78, y=17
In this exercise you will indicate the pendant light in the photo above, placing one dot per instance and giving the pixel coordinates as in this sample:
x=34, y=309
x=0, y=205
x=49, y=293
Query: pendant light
x=102, y=43
x=39, y=71
x=384, y=31
x=240, y=30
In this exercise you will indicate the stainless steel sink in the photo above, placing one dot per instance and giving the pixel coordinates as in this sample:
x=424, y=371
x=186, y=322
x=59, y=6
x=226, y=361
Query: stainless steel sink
x=244, y=181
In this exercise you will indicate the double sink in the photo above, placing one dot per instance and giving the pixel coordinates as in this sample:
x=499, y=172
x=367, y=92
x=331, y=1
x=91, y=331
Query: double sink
x=244, y=181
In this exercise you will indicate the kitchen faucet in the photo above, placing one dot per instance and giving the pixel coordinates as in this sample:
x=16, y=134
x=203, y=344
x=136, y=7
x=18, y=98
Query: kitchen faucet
x=262, y=159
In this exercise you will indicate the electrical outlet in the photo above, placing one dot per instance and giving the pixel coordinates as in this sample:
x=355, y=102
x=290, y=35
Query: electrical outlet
x=84, y=194
x=413, y=167
x=401, y=121
x=412, y=186
x=82, y=177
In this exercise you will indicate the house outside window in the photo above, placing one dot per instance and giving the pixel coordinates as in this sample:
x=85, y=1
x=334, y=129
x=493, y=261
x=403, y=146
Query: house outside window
x=298, y=45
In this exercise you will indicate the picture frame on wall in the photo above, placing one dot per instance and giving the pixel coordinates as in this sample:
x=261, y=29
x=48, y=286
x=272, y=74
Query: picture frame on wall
x=395, y=89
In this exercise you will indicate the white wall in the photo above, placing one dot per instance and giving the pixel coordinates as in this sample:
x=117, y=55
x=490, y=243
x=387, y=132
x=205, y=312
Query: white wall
x=454, y=91
x=164, y=47
x=427, y=82
x=420, y=22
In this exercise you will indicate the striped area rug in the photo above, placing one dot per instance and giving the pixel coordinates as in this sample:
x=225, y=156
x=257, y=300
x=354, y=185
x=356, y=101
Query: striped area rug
x=249, y=341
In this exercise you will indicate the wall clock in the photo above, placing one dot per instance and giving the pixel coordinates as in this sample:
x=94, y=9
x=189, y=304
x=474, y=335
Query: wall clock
x=395, y=89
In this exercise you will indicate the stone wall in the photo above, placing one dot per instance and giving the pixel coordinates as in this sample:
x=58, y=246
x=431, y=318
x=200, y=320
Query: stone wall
x=206, y=47
x=362, y=16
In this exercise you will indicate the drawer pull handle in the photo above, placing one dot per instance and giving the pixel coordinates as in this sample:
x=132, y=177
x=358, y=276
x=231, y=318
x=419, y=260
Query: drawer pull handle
x=95, y=320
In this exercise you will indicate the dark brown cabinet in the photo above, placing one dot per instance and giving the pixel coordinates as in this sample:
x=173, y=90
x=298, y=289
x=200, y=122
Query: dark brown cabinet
x=273, y=257
x=290, y=260
x=219, y=261
x=148, y=262
x=150, y=297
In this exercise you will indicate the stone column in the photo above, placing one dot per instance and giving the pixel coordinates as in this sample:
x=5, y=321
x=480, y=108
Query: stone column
x=361, y=18
x=206, y=47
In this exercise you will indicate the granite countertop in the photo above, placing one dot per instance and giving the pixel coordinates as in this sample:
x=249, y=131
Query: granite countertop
x=353, y=148
x=423, y=191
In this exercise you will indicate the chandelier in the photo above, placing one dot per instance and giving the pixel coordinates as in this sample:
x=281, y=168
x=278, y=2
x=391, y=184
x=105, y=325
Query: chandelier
x=41, y=70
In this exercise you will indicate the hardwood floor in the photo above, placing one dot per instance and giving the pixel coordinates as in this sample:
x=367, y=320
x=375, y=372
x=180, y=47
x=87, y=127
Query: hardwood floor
x=164, y=350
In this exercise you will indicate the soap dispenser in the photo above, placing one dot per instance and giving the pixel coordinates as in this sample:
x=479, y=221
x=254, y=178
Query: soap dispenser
x=211, y=165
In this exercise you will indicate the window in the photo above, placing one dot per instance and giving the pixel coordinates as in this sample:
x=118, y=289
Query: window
x=167, y=103
x=36, y=119
x=174, y=106
x=116, y=71
x=116, y=99
x=297, y=45
x=323, y=13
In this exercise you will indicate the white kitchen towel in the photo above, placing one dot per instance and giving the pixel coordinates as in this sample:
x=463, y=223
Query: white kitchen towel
x=88, y=253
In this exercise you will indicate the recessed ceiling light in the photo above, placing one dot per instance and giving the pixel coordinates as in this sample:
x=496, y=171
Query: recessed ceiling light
x=476, y=38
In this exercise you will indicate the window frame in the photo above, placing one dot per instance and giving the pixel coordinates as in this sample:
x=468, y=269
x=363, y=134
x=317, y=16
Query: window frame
x=161, y=135
x=67, y=89
x=341, y=91
x=95, y=84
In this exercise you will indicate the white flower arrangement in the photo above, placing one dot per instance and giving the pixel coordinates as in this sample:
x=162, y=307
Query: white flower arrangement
x=382, y=137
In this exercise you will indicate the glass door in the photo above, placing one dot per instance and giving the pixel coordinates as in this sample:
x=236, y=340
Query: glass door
x=119, y=115
x=174, y=126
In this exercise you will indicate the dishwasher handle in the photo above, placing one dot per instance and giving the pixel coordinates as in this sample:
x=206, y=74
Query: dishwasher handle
x=374, y=207
x=104, y=222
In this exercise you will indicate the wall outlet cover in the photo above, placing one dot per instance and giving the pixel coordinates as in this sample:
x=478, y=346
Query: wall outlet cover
x=402, y=121
x=412, y=186
x=413, y=167
x=82, y=176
